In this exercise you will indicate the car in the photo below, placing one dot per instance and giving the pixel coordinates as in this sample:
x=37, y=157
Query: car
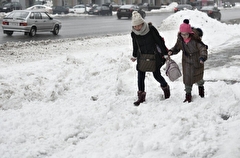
x=126, y=11
x=212, y=12
x=227, y=5
x=115, y=7
x=41, y=8
x=182, y=7
x=144, y=6
x=88, y=7
x=39, y=2
x=79, y=9
x=60, y=10
x=100, y=10
x=112, y=5
x=30, y=22
x=148, y=7
x=11, y=6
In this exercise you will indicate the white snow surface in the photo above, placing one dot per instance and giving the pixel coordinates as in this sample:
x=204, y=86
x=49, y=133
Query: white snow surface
x=73, y=98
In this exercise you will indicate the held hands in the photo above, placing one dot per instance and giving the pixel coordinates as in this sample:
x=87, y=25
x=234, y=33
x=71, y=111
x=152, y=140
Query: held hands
x=169, y=53
x=167, y=57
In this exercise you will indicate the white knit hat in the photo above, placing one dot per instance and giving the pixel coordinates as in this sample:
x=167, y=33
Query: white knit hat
x=136, y=18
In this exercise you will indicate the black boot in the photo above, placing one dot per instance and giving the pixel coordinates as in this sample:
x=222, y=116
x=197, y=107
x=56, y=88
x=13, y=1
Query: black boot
x=141, y=98
x=166, y=91
x=188, y=98
x=201, y=91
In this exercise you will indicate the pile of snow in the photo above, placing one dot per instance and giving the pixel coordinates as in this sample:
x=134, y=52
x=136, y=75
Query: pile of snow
x=167, y=8
x=74, y=98
x=223, y=33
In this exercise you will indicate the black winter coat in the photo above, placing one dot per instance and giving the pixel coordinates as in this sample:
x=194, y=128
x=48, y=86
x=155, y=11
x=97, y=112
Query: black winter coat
x=147, y=44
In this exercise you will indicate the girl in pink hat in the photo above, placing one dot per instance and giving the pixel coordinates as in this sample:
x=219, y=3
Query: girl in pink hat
x=194, y=54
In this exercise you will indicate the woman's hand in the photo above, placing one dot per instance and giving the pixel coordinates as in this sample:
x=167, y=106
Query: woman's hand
x=202, y=60
x=133, y=59
x=169, y=53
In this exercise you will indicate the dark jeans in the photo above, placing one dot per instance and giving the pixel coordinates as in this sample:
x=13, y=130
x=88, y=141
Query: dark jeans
x=157, y=75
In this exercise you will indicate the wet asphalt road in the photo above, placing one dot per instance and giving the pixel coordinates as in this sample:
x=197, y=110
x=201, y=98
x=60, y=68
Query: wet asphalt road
x=223, y=58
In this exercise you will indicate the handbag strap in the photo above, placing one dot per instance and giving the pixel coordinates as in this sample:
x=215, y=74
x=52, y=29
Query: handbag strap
x=138, y=46
x=157, y=47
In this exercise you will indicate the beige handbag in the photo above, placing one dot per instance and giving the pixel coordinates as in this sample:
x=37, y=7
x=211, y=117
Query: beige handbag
x=172, y=69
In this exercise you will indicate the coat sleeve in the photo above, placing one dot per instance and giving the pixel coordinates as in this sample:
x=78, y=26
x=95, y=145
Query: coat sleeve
x=135, y=47
x=159, y=40
x=177, y=47
x=203, y=51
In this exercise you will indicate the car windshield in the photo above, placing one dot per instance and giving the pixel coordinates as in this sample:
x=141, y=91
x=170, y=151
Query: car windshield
x=20, y=15
x=79, y=6
x=183, y=6
x=126, y=6
x=207, y=7
x=7, y=5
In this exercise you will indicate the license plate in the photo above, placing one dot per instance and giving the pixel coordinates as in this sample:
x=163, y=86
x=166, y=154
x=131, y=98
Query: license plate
x=123, y=10
x=13, y=24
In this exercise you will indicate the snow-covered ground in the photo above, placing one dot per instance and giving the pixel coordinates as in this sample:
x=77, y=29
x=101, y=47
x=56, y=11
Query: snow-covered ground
x=73, y=98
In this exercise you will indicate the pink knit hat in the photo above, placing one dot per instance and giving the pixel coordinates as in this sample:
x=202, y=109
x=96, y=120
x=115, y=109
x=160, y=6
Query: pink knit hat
x=185, y=26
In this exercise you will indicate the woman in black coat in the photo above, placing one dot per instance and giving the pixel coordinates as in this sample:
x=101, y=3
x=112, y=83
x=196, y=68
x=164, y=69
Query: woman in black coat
x=145, y=39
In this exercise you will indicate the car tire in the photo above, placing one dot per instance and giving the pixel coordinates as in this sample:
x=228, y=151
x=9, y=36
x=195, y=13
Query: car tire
x=9, y=33
x=119, y=17
x=56, y=30
x=32, y=32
